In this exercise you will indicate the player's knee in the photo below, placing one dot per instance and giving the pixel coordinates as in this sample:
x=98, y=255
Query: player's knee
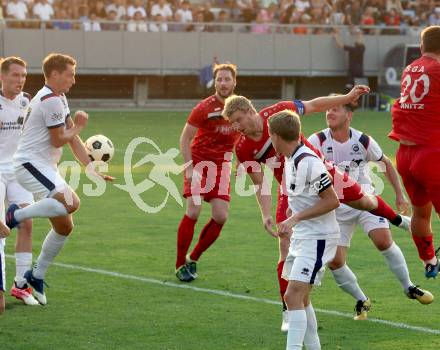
x=220, y=217
x=65, y=229
x=74, y=205
x=336, y=263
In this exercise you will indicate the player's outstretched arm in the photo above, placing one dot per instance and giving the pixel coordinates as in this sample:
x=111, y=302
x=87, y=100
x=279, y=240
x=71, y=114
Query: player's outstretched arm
x=402, y=203
x=59, y=136
x=321, y=104
x=188, y=133
x=264, y=201
x=328, y=202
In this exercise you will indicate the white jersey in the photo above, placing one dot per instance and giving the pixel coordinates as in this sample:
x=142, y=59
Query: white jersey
x=47, y=110
x=351, y=156
x=306, y=177
x=12, y=113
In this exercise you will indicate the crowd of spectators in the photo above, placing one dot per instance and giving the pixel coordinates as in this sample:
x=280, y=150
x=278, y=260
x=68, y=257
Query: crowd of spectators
x=259, y=16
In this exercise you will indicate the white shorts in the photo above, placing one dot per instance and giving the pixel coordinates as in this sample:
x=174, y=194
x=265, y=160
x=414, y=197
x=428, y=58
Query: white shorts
x=348, y=218
x=14, y=192
x=307, y=259
x=40, y=179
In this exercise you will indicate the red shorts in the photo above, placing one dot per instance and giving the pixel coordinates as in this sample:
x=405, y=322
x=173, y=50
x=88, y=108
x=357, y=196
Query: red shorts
x=346, y=188
x=282, y=206
x=419, y=167
x=215, y=182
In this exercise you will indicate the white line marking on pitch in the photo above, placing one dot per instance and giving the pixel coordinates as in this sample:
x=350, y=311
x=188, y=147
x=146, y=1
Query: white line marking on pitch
x=235, y=296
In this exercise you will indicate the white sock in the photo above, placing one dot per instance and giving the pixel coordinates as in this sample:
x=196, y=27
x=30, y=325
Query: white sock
x=397, y=264
x=297, y=329
x=44, y=208
x=23, y=262
x=347, y=281
x=311, y=338
x=52, y=245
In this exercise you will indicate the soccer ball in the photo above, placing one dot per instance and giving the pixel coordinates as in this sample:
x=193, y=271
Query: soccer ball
x=100, y=148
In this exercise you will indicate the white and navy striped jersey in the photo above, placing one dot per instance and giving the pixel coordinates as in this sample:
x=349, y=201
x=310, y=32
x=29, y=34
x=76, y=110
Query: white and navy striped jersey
x=12, y=113
x=306, y=177
x=47, y=110
x=351, y=156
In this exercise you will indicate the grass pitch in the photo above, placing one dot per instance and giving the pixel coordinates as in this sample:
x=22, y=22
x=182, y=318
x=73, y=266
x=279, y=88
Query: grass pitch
x=122, y=299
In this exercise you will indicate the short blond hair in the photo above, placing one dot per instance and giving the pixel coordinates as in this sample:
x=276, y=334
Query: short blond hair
x=285, y=124
x=56, y=62
x=7, y=62
x=236, y=103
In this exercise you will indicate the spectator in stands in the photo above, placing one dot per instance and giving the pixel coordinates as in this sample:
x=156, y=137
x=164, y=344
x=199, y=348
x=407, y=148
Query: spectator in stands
x=434, y=18
x=355, y=57
x=136, y=7
x=98, y=8
x=260, y=26
x=17, y=10
x=185, y=11
x=163, y=8
x=392, y=18
x=304, y=19
x=199, y=20
x=393, y=5
x=137, y=23
x=63, y=23
x=43, y=10
x=247, y=10
x=111, y=21
x=119, y=8
x=2, y=18
x=302, y=5
x=159, y=24
x=353, y=13
x=223, y=17
x=92, y=24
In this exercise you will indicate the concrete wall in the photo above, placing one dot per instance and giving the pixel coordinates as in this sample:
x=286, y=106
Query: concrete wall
x=184, y=53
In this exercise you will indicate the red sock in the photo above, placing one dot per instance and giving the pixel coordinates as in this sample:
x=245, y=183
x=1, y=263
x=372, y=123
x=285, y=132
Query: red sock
x=209, y=234
x=282, y=282
x=425, y=247
x=384, y=210
x=185, y=234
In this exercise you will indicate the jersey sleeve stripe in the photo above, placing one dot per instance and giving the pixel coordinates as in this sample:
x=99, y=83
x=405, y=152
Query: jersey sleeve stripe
x=301, y=157
x=321, y=137
x=365, y=141
x=55, y=126
x=45, y=97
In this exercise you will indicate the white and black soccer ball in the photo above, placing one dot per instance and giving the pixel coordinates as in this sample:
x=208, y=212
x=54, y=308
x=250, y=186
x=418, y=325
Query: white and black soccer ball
x=100, y=148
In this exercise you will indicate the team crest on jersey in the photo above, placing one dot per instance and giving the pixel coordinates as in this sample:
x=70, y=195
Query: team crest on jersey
x=355, y=148
x=23, y=103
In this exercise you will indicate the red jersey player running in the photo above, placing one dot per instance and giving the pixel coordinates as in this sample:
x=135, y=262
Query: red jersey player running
x=416, y=126
x=206, y=143
x=255, y=148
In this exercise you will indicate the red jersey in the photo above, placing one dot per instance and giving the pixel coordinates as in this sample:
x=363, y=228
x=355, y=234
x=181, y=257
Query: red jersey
x=261, y=151
x=215, y=135
x=416, y=114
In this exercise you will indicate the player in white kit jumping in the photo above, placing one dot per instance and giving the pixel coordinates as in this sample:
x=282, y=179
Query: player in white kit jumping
x=47, y=128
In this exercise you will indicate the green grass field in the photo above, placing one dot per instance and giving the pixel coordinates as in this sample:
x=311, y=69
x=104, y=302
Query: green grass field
x=114, y=286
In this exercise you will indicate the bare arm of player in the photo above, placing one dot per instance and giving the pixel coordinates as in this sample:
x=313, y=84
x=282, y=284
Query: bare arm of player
x=188, y=133
x=321, y=104
x=80, y=152
x=264, y=201
x=338, y=40
x=328, y=202
x=60, y=136
x=402, y=203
